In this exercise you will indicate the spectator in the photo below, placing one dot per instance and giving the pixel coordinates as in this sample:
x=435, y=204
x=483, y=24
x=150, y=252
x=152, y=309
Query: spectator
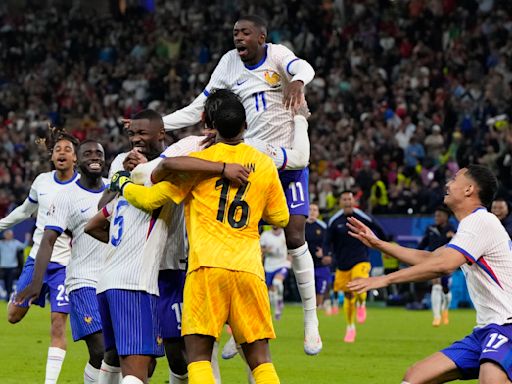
x=11, y=260
x=500, y=209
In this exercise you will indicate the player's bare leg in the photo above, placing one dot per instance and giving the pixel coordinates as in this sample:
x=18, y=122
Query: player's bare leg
x=15, y=313
x=135, y=368
x=177, y=359
x=58, y=345
x=257, y=355
x=435, y=369
x=96, y=350
x=304, y=270
x=199, y=353
x=491, y=373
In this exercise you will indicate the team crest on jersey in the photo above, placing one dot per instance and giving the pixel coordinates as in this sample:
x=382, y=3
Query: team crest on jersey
x=88, y=319
x=272, y=78
x=159, y=340
x=51, y=210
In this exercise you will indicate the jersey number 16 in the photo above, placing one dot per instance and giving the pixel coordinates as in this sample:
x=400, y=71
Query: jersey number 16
x=238, y=210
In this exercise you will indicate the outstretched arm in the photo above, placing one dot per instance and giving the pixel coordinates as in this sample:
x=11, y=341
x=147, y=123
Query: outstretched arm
x=406, y=255
x=187, y=116
x=23, y=212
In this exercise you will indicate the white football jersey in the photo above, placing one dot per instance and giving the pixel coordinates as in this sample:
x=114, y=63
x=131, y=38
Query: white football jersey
x=260, y=88
x=73, y=207
x=482, y=239
x=276, y=253
x=117, y=164
x=45, y=188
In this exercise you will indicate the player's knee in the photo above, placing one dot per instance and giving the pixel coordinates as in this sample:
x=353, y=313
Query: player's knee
x=411, y=375
x=294, y=240
x=111, y=358
x=58, y=329
x=178, y=364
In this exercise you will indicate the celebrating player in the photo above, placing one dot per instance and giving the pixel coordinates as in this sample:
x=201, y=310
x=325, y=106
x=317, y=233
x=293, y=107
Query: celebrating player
x=482, y=248
x=224, y=283
x=42, y=192
x=70, y=212
x=270, y=81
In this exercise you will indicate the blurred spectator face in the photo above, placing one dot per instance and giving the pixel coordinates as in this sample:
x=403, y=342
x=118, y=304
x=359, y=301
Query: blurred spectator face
x=347, y=202
x=500, y=209
x=146, y=136
x=63, y=155
x=440, y=218
x=314, y=212
x=248, y=39
x=8, y=235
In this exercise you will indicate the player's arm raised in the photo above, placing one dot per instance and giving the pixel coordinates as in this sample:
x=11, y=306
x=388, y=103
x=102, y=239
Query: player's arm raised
x=445, y=261
x=406, y=255
x=301, y=73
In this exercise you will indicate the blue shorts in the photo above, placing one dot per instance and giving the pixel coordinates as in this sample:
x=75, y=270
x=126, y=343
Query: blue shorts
x=53, y=286
x=170, y=302
x=490, y=343
x=322, y=279
x=269, y=276
x=85, y=316
x=130, y=322
x=296, y=188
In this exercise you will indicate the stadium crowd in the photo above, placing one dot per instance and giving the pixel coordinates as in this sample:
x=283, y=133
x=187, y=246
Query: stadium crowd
x=405, y=93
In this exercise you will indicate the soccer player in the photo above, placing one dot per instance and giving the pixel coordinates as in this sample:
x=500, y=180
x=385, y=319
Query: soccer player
x=270, y=81
x=500, y=209
x=276, y=265
x=225, y=282
x=315, y=237
x=482, y=248
x=352, y=260
x=437, y=235
x=42, y=192
x=71, y=210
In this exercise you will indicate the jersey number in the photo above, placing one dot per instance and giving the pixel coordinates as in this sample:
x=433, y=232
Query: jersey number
x=119, y=221
x=178, y=310
x=501, y=340
x=238, y=211
x=297, y=187
x=260, y=101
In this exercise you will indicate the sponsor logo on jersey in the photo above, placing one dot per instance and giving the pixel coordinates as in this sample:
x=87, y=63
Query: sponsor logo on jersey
x=272, y=78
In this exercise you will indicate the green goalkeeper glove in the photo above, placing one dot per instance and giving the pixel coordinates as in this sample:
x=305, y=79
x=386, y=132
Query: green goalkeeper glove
x=119, y=180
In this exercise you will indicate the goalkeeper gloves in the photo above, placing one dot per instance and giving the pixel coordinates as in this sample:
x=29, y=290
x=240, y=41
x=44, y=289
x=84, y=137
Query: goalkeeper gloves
x=119, y=181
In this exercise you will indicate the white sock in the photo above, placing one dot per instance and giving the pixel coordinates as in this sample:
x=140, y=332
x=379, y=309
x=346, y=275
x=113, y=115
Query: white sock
x=447, y=299
x=91, y=374
x=131, y=380
x=54, y=364
x=405, y=382
x=437, y=299
x=174, y=378
x=304, y=270
x=109, y=374
x=250, y=377
x=215, y=363
x=272, y=295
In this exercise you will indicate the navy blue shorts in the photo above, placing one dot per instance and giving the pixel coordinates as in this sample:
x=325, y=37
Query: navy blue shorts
x=130, y=322
x=85, y=316
x=296, y=189
x=53, y=286
x=490, y=343
x=170, y=302
x=322, y=279
x=269, y=276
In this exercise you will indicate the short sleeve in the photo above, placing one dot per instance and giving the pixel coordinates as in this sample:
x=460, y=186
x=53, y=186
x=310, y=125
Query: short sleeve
x=58, y=214
x=32, y=195
x=219, y=75
x=469, y=240
x=285, y=59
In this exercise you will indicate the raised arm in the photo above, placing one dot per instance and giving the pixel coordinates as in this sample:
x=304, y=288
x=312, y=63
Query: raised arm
x=23, y=212
x=187, y=116
x=406, y=255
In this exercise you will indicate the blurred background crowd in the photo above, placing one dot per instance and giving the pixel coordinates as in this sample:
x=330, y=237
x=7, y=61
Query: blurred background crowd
x=405, y=93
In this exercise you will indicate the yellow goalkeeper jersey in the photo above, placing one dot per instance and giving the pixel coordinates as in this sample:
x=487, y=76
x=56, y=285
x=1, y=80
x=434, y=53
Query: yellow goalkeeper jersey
x=222, y=220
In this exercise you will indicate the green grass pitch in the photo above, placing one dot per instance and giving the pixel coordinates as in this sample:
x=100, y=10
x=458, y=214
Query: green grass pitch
x=386, y=345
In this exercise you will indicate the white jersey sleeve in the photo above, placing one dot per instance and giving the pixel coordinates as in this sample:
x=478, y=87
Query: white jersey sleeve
x=291, y=66
x=482, y=239
x=117, y=164
x=275, y=252
x=23, y=212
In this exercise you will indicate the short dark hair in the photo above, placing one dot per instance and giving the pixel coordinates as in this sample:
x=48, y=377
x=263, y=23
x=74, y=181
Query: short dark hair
x=54, y=135
x=486, y=181
x=256, y=20
x=444, y=209
x=346, y=191
x=214, y=100
x=148, y=114
x=229, y=117
x=88, y=141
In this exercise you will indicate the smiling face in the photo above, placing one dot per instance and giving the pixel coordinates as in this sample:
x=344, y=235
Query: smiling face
x=63, y=155
x=249, y=41
x=91, y=159
x=147, y=137
x=500, y=209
